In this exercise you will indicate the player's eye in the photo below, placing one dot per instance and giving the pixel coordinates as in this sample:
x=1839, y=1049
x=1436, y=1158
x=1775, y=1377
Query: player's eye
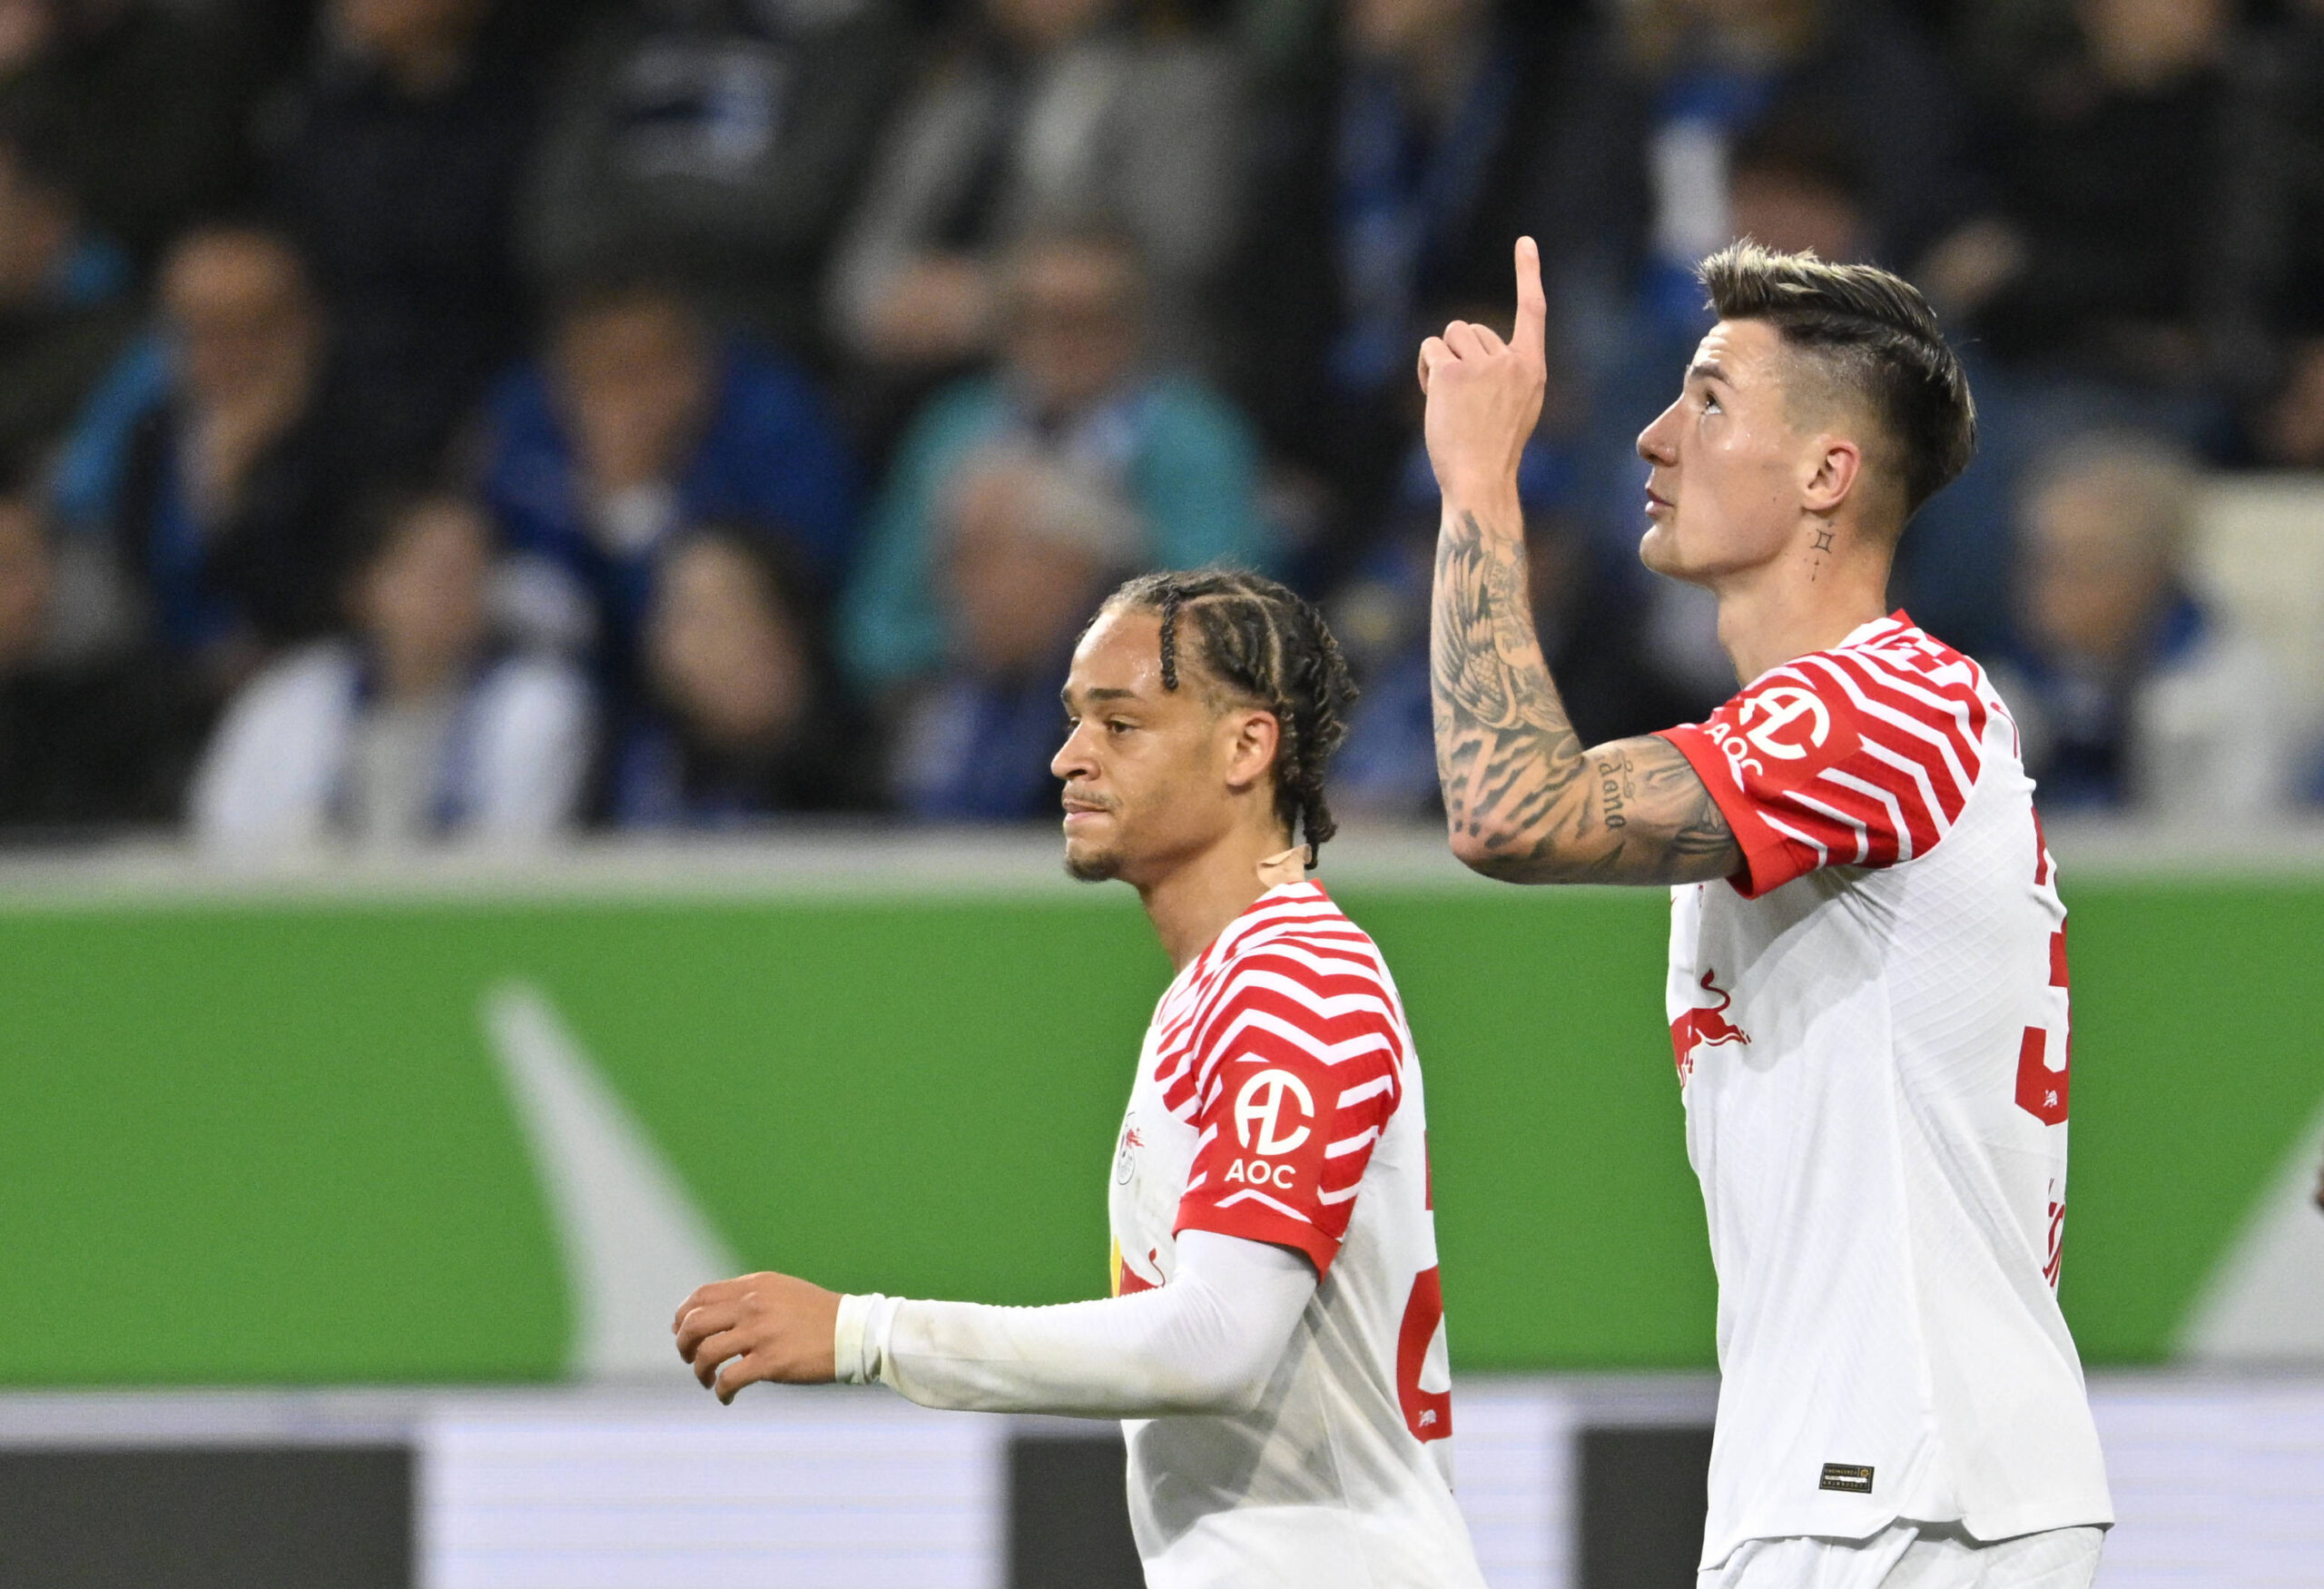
x=1116, y=726
x=1710, y=404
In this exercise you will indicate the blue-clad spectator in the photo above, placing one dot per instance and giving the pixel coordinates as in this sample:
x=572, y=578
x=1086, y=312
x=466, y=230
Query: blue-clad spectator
x=2131, y=692
x=65, y=307
x=224, y=485
x=744, y=723
x=1074, y=386
x=639, y=423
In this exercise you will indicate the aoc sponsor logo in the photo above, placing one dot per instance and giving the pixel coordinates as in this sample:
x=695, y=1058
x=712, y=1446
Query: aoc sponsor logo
x=1768, y=720
x=1268, y=1111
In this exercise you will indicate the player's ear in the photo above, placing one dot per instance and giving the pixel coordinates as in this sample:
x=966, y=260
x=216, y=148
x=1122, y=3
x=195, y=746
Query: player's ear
x=1831, y=468
x=1252, y=735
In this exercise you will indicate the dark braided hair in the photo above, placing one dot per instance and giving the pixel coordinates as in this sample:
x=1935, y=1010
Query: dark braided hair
x=1264, y=642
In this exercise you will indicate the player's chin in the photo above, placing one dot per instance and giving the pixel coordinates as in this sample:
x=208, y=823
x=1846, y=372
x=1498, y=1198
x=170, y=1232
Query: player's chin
x=1658, y=549
x=1088, y=861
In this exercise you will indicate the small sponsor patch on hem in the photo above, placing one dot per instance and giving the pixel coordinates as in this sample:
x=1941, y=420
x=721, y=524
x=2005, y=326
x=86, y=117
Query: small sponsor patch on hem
x=1847, y=1477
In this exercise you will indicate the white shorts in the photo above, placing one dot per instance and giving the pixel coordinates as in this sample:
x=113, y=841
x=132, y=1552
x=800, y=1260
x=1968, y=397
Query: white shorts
x=1913, y=1555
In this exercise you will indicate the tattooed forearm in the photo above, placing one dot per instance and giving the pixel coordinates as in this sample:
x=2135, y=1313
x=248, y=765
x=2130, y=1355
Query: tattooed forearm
x=1505, y=751
x=1524, y=799
x=1617, y=786
x=1675, y=813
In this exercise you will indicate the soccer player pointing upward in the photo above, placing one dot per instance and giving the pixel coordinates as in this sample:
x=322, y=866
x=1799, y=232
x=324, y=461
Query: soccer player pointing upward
x=1275, y=1335
x=1867, y=975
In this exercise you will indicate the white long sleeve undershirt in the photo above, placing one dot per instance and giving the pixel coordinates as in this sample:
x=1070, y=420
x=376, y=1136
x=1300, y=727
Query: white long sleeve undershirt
x=1207, y=1342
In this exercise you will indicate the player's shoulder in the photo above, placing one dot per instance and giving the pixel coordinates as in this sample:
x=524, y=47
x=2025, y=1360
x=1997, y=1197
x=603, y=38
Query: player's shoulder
x=1895, y=662
x=1297, y=928
x=1295, y=956
x=1892, y=686
x=1864, y=752
x=1897, y=641
x=1292, y=980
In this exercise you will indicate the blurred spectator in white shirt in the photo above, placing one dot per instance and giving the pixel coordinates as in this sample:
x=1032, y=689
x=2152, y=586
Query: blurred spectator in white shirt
x=2131, y=693
x=413, y=730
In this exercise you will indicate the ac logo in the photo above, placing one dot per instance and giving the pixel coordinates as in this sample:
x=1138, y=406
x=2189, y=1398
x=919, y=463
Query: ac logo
x=1776, y=709
x=1259, y=1112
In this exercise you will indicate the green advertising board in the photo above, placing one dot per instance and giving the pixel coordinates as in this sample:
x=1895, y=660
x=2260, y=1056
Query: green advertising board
x=257, y=1139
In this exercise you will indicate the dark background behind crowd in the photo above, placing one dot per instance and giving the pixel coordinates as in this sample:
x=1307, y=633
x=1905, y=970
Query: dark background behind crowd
x=482, y=420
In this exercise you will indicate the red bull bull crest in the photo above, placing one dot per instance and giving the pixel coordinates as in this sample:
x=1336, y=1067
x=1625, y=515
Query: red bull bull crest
x=1704, y=1026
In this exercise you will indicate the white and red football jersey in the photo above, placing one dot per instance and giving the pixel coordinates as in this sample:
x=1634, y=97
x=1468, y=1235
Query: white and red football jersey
x=1278, y=1098
x=1870, y=1026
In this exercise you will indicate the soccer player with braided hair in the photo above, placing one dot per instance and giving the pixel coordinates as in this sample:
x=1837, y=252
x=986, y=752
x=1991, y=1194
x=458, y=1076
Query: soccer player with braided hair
x=1274, y=1342
x=1266, y=644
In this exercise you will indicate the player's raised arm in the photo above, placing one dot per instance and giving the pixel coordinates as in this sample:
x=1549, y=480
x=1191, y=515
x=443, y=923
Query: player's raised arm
x=1524, y=799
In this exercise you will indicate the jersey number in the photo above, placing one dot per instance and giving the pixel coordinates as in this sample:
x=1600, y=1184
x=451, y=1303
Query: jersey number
x=1428, y=1413
x=2041, y=1092
x=2041, y=1088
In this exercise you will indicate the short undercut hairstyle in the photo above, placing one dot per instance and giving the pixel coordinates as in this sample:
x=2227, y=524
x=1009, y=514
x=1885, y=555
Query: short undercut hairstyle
x=1874, y=339
x=1256, y=641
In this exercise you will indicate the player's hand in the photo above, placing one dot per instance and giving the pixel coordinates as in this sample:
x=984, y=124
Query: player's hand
x=760, y=1327
x=1484, y=395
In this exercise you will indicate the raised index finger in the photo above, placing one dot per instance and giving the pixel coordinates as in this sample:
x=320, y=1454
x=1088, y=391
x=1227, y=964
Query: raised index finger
x=1530, y=334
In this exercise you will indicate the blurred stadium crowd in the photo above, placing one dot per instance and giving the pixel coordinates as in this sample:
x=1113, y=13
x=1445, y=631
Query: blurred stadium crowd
x=480, y=420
